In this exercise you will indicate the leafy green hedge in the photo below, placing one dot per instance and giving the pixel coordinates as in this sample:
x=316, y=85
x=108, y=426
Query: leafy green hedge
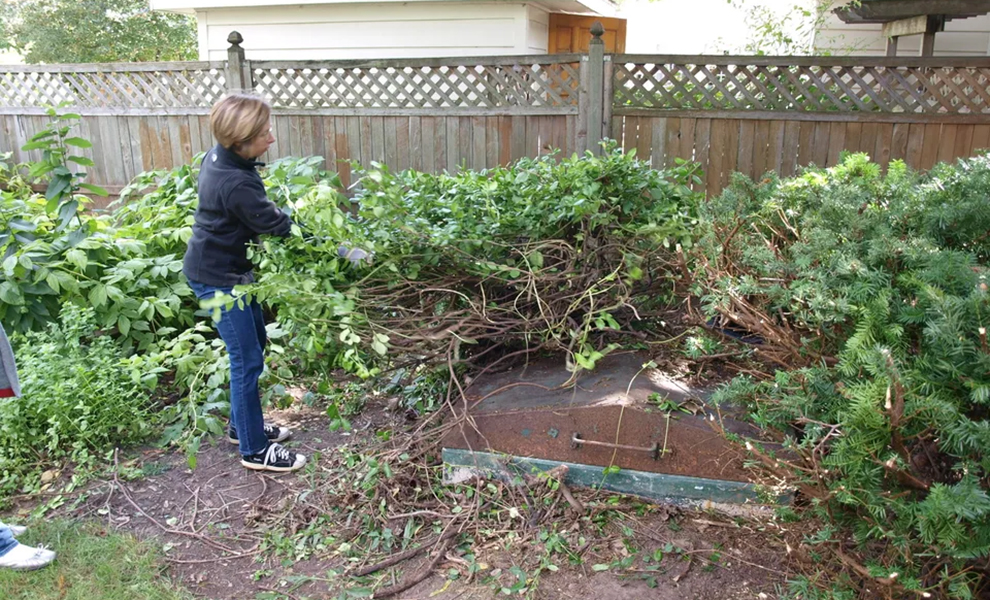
x=873, y=289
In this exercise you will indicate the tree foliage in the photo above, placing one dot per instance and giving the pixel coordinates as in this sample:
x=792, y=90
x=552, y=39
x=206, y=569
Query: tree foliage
x=84, y=31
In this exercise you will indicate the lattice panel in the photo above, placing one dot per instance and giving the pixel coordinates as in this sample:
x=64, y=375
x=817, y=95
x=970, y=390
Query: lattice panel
x=166, y=88
x=941, y=90
x=463, y=86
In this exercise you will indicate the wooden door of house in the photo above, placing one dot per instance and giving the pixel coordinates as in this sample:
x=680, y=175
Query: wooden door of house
x=572, y=33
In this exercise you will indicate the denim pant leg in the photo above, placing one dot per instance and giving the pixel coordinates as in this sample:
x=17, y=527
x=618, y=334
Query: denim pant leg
x=239, y=328
x=7, y=541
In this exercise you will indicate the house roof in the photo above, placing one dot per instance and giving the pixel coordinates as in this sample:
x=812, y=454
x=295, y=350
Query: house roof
x=589, y=7
x=885, y=11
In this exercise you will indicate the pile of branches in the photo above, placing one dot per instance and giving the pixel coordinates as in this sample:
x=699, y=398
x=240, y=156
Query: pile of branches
x=565, y=255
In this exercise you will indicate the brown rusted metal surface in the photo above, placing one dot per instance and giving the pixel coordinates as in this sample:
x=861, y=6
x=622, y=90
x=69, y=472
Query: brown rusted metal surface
x=540, y=422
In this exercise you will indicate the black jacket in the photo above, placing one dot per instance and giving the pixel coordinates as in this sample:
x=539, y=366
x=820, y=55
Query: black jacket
x=233, y=210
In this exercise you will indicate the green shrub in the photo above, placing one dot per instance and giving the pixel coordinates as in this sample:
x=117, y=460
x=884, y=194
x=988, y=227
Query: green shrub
x=870, y=291
x=79, y=400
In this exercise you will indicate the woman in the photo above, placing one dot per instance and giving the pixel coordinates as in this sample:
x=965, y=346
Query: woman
x=233, y=211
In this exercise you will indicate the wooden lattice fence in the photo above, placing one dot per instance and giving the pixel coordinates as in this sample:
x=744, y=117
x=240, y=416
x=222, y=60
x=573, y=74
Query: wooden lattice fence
x=748, y=114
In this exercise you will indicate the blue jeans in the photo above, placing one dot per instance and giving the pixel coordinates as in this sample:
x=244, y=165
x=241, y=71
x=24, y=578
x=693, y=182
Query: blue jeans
x=7, y=541
x=243, y=331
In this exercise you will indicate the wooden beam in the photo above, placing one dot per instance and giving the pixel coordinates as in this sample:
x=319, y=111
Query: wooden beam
x=882, y=11
x=909, y=26
x=892, y=46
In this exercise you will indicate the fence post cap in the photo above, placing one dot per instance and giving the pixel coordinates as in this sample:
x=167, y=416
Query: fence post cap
x=234, y=39
x=597, y=29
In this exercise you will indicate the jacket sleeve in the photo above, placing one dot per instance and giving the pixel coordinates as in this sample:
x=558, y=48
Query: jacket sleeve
x=247, y=201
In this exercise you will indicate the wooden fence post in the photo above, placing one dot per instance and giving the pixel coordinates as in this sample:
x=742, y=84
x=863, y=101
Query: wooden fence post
x=596, y=88
x=238, y=70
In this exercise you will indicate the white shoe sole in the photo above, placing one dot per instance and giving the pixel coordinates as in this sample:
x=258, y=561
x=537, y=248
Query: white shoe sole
x=257, y=467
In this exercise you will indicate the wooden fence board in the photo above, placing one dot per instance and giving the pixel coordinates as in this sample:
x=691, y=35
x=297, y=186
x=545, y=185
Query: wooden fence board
x=790, y=148
x=981, y=137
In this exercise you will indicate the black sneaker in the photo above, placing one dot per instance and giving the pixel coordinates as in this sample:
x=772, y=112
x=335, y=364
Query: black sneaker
x=274, y=433
x=276, y=458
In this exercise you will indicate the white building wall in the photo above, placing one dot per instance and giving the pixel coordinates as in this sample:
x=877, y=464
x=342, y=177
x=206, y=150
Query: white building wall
x=537, y=29
x=962, y=37
x=386, y=30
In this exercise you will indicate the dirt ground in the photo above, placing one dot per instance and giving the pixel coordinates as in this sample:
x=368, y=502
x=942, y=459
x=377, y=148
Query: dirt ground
x=230, y=533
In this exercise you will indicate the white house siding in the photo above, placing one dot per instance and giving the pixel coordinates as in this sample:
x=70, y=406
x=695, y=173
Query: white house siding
x=537, y=30
x=384, y=30
x=962, y=37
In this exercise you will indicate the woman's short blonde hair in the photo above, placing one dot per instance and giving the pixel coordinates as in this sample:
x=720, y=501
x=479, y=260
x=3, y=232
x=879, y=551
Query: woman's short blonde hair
x=239, y=118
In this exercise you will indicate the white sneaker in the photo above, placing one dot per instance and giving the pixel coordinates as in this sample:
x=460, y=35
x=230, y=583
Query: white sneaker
x=26, y=558
x=15, y=530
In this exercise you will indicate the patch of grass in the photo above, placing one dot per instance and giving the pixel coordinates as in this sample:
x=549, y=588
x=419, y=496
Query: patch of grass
x=93, y=563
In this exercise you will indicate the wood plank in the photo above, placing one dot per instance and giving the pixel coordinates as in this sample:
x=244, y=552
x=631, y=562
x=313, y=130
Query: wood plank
x=517, y=130
x=806, y=142
x=390, y=141
x=629, y=133
x=378, y=139
x=836, y=143
x=686, y=150
x=113, y=153
x=702, y=146
x=504, y=140
x=719, y=134
x=672, y=143
x=185, y=142
x=915, y=145
x=315, y=129
x=744, y=149
x=651, y=141
x=532, y=137
x=453, y=137
x=964, y=142
x=947, y=143
x=981, y=137
x=440, y=143
x=428, y=143
x=854, y=133
x=819, y=155
x=775, y=147
x=465, y=143
x=546, y=133
x=790, y=149
x=882, y=149
x=479, y=145
x=356, y=144
x=366, y=141
x=330, y=144
x=929, y=151
x=403, y=157
x=136, y=144
x=618, y=128
x=899, y=141
x=761, y=140
x=730, y=158
x=558, y=135
x=416, y=143
x=570, y=125
x=868, y=140
x=147, y=149
x=342, y=150
x=119, y=132
x=491, y=142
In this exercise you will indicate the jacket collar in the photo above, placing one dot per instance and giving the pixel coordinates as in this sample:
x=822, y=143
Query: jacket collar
x=236, y=159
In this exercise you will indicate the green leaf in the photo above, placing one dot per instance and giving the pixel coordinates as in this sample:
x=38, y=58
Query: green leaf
x=81, y=160
x=98, y=295
x=77, y=257
x=78, y=142
x=95, y=189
